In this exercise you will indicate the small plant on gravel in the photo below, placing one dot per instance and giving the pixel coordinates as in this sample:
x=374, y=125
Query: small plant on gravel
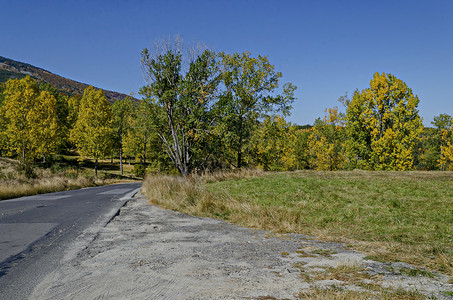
x=346, y=273
x=324, y=252
x=417, y=272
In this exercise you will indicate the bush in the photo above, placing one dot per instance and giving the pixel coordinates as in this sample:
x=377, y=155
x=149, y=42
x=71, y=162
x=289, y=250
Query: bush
x=26, y=169
x=139, y=170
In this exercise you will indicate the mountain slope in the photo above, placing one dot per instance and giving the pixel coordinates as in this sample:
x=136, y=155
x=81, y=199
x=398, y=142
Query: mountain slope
x=14, y=69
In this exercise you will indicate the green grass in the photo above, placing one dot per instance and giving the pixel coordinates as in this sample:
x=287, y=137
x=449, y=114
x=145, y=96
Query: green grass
x=410, y=212
x=391, y=216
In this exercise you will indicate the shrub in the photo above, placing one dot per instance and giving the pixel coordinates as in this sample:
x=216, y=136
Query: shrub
x=26, y=169
x=139, y=170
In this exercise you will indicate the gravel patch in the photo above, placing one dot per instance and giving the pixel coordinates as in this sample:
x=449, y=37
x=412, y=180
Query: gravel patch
x=146, y=252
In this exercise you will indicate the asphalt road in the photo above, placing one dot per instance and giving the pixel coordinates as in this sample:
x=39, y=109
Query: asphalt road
x=36, y=231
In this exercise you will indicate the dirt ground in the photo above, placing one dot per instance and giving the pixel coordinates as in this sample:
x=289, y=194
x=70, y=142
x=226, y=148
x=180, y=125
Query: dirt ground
x=146, y=252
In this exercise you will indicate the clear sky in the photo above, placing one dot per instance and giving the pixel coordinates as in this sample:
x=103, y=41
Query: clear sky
x=325, y=48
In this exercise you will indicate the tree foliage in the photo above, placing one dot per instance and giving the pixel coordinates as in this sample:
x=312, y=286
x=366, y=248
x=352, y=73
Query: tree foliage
x=92, y=133
x=250, y=84
x=326, y=142
x=445, y=127
x=122, y=111
x=274, y=144
x=182, y=102
x=383, y=125
x=29, y=119
x=201, y=110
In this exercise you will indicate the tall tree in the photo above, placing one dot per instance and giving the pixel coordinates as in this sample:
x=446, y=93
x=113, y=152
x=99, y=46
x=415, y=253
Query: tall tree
x=250, y=84
x=122, y=121
x=21, y=96
x=182, y=102
x=30, y=119
x=383, y=125
x=92, y=133
x=137, y=140
x=45, y=131
x=62, y=114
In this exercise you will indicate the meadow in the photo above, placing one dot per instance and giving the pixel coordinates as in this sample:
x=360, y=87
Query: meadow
x=390, y=216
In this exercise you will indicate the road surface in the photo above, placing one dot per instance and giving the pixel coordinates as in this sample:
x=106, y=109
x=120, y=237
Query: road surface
x=36, y=231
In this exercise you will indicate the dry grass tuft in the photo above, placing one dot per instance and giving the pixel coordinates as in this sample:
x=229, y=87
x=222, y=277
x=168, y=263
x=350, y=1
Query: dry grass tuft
x=346, y=273
x=15, y=183
x=18, y=188
x=337, y=293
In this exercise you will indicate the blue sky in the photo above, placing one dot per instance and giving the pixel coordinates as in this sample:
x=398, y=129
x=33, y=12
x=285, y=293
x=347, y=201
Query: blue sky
x=325, y=48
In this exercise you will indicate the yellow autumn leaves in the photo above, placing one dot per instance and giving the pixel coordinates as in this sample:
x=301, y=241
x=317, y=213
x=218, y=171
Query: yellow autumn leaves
x=29, y=119
x=379, y=131
x=92, y=132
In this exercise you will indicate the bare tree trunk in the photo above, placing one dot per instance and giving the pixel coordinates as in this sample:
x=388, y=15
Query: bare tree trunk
x=23, y=151
x=121, y=160
x=96, y=169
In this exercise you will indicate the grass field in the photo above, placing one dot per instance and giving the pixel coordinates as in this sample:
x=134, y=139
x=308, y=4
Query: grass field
x=391, y=216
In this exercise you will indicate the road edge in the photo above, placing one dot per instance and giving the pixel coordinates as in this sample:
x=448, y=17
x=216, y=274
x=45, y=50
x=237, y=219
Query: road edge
x=89, y=235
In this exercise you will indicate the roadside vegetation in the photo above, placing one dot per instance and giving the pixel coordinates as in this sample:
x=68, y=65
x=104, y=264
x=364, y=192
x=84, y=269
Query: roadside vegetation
x=19, y=179
x=391, y=216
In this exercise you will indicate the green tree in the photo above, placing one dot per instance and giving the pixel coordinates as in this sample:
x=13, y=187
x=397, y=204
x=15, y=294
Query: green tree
x=137, y=140
x=383, y=125
x=431, y=143
x=250, y=84
x=92, y=133
x=182, y=103
x=142, y=142
x=122, y=121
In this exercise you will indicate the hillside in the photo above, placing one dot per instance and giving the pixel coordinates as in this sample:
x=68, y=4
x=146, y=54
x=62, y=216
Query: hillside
x=13, y=69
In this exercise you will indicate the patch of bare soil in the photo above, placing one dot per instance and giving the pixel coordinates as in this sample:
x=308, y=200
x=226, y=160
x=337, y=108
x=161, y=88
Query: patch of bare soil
x=147, y=252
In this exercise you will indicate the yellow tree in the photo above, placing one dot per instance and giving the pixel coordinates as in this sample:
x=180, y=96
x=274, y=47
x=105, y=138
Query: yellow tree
x=92, y=132
x=383, y=125
x=20, y=98
x=44, y=125
x=326, y=142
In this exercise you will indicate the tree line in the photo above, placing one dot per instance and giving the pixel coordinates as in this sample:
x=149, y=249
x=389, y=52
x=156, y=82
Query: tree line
x=202, y=110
